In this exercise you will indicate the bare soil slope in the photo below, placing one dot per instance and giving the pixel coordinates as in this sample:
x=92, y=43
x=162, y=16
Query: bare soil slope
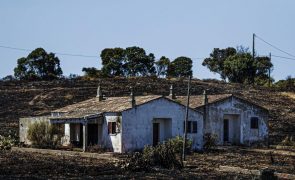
x=22, y=99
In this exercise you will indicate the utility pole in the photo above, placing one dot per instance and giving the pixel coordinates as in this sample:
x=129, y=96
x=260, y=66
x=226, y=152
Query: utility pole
x=253, y=55
x=253, y=46
x=185, y=120
x=269, y=80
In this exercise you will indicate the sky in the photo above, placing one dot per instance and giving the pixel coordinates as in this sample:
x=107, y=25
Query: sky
x=170, y=28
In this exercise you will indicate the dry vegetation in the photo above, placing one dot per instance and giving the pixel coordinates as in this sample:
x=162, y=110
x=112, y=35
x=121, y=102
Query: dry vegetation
x=20, y=99
x=202, y=166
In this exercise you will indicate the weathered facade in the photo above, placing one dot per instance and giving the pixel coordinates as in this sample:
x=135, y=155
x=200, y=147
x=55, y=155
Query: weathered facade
x=233, y=119
x=123, y=124
x=151, y=120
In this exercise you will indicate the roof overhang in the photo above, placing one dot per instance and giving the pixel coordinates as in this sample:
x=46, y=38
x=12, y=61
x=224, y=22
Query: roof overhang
x=90, y=118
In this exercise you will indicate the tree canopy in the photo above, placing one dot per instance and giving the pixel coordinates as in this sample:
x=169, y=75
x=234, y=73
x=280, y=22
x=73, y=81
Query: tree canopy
x=162, y=66
x=215, y=62
x=180, y=67
x=132, y=61
x=38, y=65
x=238, y=65
x=138, y=63
x=112, y=61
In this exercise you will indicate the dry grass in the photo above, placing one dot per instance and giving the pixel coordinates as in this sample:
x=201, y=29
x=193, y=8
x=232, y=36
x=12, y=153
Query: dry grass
x=289, y=94
x=199, y=166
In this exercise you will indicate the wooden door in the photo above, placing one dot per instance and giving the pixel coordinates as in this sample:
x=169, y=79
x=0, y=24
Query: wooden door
x=225, y=130
x=156, y=133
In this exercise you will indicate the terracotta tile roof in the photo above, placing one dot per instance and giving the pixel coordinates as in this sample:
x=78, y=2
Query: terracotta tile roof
x=94, y=106
x=197, y=101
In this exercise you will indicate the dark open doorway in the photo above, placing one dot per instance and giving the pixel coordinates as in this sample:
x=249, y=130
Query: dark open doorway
x=92, y=134
x=156, y=133
x=225, y=130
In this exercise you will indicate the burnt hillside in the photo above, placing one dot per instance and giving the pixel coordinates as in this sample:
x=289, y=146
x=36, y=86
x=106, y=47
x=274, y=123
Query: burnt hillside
x=21, y=99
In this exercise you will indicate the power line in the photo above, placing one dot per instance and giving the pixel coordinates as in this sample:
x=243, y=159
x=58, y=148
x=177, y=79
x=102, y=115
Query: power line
x=58, y=53
x=274, y=46
x=64, y=54
x=283, y=57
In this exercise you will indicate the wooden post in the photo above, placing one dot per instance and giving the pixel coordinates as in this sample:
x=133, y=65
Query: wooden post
x=85, y=136
x=185, y=120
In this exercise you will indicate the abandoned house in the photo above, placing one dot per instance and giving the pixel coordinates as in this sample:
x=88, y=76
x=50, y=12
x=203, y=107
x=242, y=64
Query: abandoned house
x=232, y=119
x=124, y=124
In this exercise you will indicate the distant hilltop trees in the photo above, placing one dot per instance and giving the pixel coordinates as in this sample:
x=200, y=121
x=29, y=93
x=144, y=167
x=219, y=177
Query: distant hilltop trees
x=235, y=65
x=38, y=65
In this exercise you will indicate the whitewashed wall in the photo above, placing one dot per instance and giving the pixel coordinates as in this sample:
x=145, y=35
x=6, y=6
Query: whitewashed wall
x=137, y=123
x=111, y=141
x=234, y=106
x=24, y=124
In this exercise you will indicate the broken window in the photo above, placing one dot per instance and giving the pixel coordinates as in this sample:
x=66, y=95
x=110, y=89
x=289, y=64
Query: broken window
x=254, y=122
x=192, y=126
x=112, y=127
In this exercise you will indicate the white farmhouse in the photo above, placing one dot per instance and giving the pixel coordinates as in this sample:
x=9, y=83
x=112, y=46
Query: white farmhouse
x=124, y=124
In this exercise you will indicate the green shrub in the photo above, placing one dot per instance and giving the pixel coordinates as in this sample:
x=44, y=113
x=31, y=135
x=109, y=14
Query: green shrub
x=210, y=141
x=162, y=155
x=44, y=135
x=177, y=144
x=6, y=142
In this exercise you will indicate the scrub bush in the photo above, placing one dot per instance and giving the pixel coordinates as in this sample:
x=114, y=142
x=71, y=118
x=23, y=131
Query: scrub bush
x=44, y=135
x=210, y=141
x=163, y=155
x=6, y=142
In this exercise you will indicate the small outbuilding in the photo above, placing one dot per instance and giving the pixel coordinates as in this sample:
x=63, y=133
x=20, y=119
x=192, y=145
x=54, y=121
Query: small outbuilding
x=232, y=119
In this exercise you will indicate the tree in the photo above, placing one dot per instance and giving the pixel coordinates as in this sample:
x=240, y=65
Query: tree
x=263, y=65
x=287, y=84
x=137, y=63
x=215, y=62
x=112, y=61
x=8, y=78
x=180, y=67
x=92, y=72
x=238, y=66
x=162, y=66
x=38, y=65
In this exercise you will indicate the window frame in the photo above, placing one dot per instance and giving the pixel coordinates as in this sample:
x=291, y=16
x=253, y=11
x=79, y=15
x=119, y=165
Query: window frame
x=254, y=123
x=112, y=127
x=190, y=127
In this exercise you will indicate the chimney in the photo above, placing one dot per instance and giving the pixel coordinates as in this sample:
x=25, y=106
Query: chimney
x=132, y=98
x=99, y=93
x=172, y=94
x=205, y=98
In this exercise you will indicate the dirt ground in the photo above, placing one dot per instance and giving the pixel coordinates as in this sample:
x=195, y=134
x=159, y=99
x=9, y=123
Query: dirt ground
x=23, y=165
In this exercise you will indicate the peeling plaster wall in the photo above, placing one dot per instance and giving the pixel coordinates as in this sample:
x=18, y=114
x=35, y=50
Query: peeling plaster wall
x=111, y=141
x=24, y=124
x=240, y=111
x=137, y=124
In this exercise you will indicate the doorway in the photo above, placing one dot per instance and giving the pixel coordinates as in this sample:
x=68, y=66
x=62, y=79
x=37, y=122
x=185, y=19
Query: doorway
x=92, y=134
x=231, y=129
x=156, y=133
x=225, y=130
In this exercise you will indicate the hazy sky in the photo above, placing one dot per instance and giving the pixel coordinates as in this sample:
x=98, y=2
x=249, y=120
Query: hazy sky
x=163, y=27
